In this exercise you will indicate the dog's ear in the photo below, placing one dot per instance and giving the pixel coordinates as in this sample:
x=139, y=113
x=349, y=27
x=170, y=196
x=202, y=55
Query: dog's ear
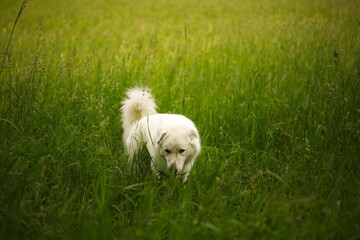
x=193, y=134
x=162, y=136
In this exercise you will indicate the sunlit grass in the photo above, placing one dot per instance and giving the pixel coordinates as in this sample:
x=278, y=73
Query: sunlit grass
x=271, y=85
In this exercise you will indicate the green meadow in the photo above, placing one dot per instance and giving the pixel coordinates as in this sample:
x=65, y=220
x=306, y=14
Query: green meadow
x=272, y=85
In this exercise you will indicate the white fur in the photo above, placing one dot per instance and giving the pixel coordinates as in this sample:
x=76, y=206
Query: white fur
x=172, y=140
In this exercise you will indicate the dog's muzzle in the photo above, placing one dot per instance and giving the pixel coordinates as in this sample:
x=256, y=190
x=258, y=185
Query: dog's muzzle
x=173, y=169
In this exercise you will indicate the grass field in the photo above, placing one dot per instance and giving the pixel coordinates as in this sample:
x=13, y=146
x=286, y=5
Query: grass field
x=273, y=86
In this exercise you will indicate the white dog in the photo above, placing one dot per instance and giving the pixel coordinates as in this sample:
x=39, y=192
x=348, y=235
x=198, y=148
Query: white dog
x=172, y=140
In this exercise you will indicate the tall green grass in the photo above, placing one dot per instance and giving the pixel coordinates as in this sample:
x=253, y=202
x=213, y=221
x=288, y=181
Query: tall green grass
x=273, y=87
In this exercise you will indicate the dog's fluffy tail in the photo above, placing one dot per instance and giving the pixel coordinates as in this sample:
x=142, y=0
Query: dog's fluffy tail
x=138, y=104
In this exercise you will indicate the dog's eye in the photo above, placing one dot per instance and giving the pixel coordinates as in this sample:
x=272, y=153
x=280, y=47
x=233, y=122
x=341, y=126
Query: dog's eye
x=181, y=150
x=167, y=151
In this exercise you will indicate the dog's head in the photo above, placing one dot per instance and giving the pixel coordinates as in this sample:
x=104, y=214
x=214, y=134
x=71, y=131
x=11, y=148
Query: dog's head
x=176, y=146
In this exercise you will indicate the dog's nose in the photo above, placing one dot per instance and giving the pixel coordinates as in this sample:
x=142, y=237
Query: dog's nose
x=173, y=169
